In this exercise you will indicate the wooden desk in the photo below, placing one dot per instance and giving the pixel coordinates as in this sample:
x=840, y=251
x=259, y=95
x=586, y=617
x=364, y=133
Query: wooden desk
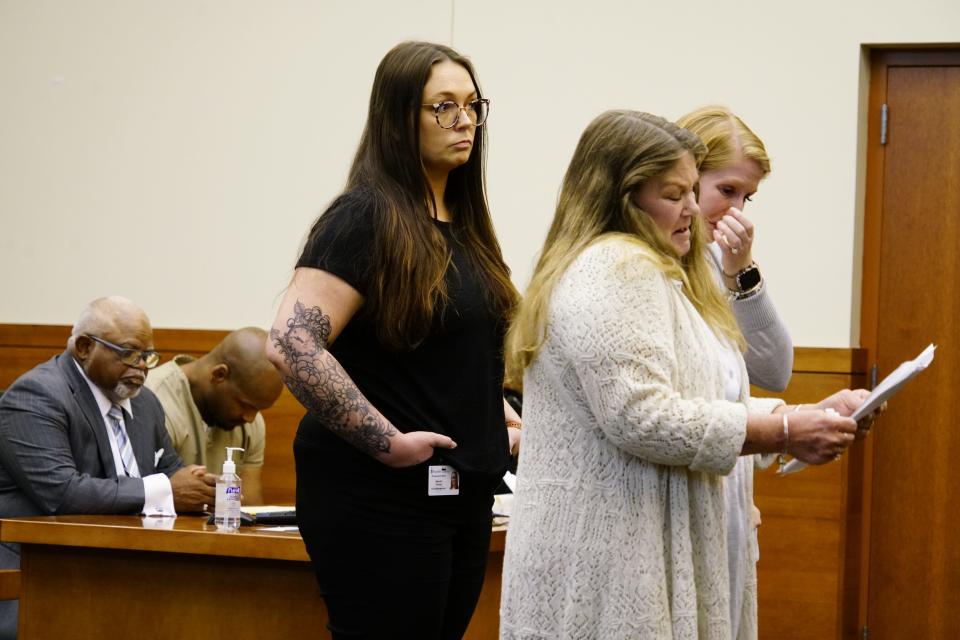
x=108, y=576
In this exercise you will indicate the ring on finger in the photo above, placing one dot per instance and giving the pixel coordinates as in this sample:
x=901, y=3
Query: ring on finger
x=734, y=250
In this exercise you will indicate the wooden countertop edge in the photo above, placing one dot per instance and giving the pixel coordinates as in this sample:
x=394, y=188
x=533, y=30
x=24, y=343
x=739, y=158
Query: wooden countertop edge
x=246, y=543
x=243, y=544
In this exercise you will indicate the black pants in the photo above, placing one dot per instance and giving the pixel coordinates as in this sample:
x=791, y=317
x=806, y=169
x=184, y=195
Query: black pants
x=391, y=562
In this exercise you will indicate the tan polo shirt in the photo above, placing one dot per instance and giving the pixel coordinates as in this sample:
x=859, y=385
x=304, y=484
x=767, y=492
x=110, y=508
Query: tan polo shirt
x=194, y=440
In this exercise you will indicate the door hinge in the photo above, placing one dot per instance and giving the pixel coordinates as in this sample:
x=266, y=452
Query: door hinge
x=884, y=116
x=873, y=383
x=865, y=633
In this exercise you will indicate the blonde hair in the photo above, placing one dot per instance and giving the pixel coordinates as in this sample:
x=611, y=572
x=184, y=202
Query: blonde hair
x=727, y=138
x=617, y=153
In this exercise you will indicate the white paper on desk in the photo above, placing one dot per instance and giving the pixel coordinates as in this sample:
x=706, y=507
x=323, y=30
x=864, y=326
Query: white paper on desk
x=266, y=508
x=280, y=529
x=887, y=387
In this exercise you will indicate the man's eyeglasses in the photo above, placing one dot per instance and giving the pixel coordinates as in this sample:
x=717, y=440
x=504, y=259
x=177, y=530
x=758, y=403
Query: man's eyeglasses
x=448, y=113
x=130, y=357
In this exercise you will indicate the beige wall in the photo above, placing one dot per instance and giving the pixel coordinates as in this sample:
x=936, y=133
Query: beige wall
x=176, y=152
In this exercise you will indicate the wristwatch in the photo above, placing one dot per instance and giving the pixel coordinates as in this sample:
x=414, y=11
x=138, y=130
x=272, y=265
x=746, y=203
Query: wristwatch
x=748, y=281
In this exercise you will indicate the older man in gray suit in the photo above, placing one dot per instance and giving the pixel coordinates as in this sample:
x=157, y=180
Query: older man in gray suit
x=79, y=434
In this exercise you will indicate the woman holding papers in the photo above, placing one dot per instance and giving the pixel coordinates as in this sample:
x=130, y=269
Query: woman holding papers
x=636, y=405
x=391, y=335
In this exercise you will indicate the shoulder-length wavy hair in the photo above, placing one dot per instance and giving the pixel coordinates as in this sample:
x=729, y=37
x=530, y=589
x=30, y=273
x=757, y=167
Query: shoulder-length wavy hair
x=726, y=137
x=617, y=153
x=410, y=256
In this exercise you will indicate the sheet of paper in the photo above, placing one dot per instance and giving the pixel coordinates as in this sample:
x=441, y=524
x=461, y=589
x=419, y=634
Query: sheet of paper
x=267, y=508
x=887, y=387
x=892, y=383
x=283, y=529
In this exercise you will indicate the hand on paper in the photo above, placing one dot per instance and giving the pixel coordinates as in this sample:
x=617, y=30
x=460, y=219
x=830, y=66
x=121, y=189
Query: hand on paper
x=845, y=402
x=864, y=424
x=817, y=437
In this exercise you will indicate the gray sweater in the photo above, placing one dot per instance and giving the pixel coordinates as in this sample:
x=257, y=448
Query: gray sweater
x=769, y=355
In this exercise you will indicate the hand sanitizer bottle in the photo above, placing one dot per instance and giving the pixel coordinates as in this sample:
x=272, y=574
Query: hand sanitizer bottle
x=227, y=510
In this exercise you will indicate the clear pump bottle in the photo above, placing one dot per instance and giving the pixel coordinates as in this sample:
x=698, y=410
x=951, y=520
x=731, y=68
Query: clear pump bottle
x=227, y=508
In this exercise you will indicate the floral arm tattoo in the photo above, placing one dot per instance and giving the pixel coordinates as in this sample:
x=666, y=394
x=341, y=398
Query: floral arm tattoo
x=318, y=381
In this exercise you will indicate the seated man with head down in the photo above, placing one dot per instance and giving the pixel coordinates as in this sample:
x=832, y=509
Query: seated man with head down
x=213, y=402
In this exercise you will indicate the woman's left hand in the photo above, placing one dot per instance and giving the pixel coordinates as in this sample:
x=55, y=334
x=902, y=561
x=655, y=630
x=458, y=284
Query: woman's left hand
x=734, y=235
x=845, y=402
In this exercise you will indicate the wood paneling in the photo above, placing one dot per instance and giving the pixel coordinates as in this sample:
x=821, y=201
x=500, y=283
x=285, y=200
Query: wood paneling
x=107, y=576
x=9, y=584
x=911, y=283
x=89, y=593
x=802, y=571
x=807, y=517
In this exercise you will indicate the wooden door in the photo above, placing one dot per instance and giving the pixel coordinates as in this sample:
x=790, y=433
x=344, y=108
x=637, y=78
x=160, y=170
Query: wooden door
x=912, y=298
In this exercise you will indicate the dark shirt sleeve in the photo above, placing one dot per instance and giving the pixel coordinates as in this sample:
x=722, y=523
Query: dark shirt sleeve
x=342, y=240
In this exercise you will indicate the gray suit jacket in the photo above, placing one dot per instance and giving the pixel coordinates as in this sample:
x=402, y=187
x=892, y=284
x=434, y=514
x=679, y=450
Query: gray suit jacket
x=55, y=455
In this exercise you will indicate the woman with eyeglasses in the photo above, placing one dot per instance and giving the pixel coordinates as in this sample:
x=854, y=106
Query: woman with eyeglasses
x=391, y=335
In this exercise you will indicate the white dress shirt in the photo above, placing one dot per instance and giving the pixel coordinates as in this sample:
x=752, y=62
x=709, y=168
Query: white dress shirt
x=157, y=492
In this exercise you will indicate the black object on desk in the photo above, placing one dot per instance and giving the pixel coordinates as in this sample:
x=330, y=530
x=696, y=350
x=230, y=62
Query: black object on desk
x=277, y=517
x=246, y=520
x=267, y=517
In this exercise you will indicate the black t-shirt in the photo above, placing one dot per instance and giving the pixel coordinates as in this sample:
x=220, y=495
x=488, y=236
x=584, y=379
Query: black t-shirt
x=452, y=383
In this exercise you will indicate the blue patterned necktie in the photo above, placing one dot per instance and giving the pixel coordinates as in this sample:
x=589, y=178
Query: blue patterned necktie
x=123, y=443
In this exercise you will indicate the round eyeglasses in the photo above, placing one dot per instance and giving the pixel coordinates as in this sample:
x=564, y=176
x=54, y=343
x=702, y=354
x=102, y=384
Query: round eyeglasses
x=447, y=113
x=130, y=357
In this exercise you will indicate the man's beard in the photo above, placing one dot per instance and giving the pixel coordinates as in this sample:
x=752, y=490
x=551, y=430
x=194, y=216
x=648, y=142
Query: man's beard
x=125, y=390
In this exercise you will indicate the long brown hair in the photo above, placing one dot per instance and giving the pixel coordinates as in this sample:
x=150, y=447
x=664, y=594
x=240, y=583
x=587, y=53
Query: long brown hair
x=617, y=153
x=410, y=256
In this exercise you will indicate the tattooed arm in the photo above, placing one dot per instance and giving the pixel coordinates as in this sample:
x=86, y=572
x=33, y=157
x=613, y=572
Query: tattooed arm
x=315, y=308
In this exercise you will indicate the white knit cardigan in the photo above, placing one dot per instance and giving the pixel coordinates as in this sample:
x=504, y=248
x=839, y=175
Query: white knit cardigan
x=618, y=529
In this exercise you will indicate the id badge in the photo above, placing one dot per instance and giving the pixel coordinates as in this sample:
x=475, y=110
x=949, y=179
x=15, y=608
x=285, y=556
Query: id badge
x=442, y=480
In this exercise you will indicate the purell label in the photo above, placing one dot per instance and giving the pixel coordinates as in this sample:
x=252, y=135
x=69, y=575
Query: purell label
x=230, y=491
